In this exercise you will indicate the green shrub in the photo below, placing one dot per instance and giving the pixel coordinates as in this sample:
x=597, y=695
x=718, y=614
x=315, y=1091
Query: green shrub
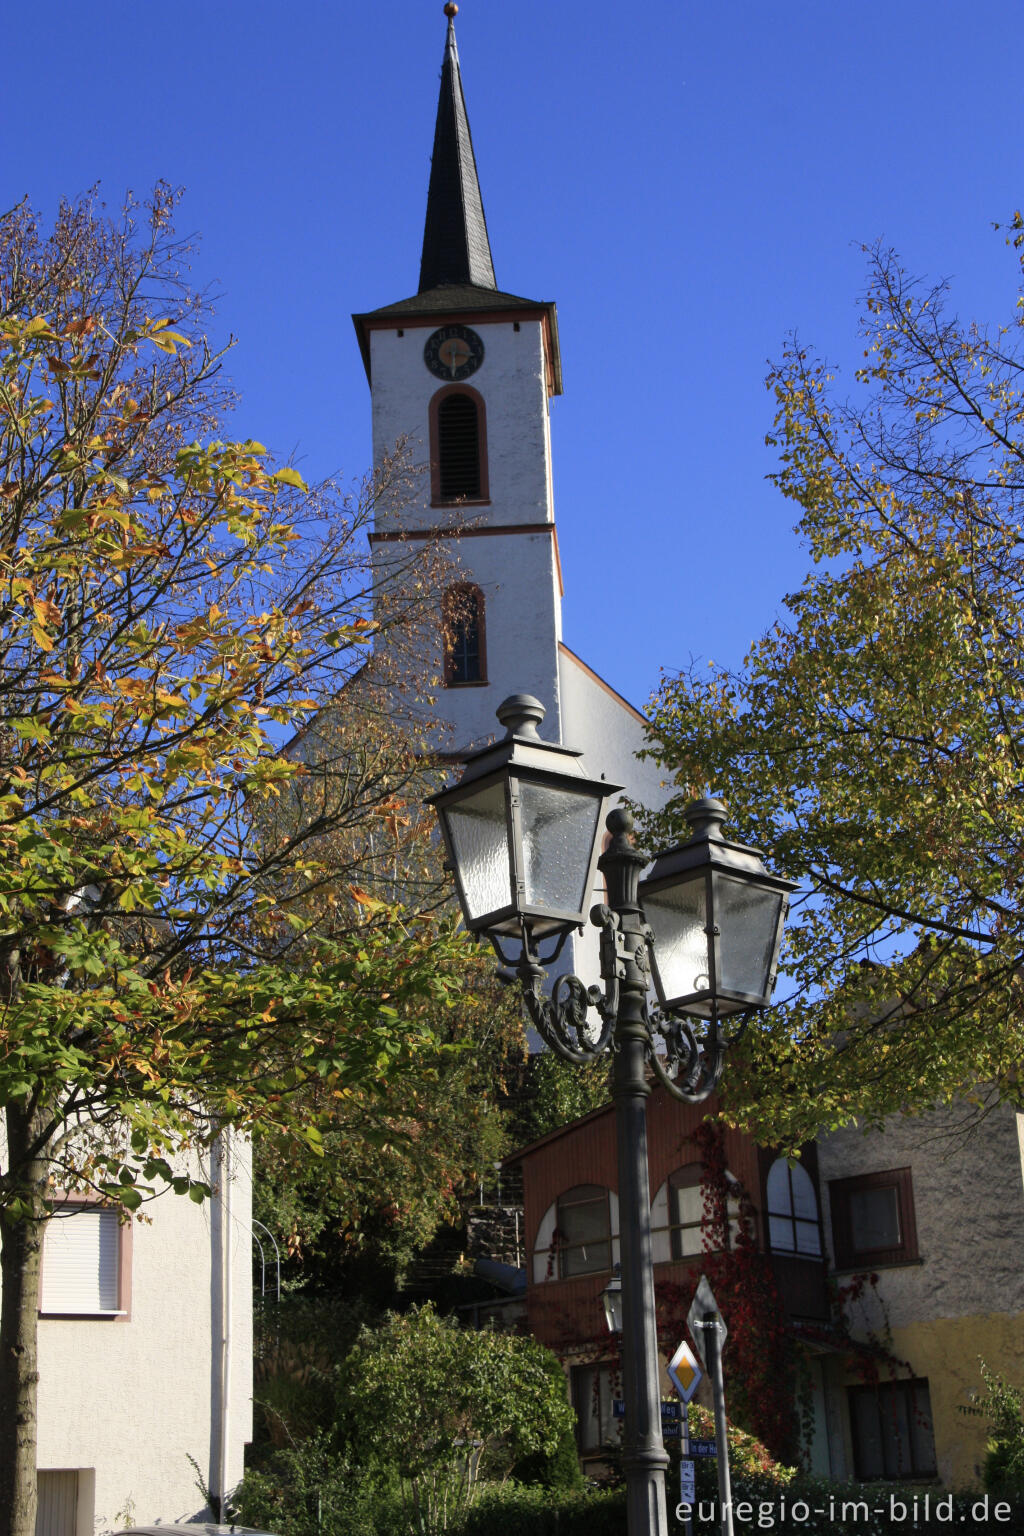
x=511, y=1509
x=1003, y=1405
x=310, y=1489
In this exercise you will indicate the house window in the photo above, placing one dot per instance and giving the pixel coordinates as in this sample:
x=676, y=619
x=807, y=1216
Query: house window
x=678, y=1217
x=583, y=1233
x=464, y=635
x=891, y=1428
x=84, y=1263
x=873, y=1219
x=58, y=1500
x=458, y=444
x=592, y=1397
x=792, y=1210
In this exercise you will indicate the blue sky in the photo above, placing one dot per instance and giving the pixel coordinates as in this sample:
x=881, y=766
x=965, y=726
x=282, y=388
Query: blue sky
x=688, y=182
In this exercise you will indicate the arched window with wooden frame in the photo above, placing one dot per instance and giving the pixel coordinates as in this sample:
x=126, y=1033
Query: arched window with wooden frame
x=678, y=1216
x=464, y=631
x=458, y=447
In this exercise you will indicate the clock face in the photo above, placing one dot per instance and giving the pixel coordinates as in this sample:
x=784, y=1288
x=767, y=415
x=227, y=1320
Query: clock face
x=453, y=352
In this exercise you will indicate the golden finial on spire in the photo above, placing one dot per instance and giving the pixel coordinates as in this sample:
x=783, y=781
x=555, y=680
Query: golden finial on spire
x=451, y=9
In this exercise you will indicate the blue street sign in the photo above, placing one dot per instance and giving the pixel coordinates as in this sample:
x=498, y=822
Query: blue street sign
x=670, y=1412
x=703, y=1448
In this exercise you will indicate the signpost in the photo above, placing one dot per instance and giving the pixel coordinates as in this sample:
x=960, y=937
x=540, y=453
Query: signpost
x=686, y=1376
x=709, y=1334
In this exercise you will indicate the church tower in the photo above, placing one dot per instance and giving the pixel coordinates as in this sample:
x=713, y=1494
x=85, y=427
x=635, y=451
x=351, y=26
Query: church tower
x=465, y=372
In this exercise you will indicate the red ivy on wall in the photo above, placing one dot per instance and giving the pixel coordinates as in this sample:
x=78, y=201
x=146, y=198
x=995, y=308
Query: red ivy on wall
x=762, y=1361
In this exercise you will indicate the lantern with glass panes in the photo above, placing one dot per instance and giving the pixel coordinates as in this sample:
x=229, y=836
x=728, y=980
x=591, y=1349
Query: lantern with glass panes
x=716, y=918
x=521, y=831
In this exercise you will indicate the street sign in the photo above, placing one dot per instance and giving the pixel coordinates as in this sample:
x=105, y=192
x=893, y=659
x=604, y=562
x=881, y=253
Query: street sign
x=704, y=1302
x=704, y=1447
x=670, y=1413
x=687, y=1480
x=684, y=1372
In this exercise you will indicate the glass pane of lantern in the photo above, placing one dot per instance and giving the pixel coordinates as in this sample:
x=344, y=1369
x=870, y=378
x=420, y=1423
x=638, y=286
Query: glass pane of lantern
x=559, y=827
x=748, y=919
x=679, y=917
x=478, y=830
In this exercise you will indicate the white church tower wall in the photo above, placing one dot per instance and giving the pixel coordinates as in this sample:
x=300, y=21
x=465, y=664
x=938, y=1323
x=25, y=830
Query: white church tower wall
x=462, y=351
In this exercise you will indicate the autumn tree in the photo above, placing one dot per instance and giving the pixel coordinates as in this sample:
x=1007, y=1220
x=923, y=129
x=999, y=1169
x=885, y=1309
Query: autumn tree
x=172, y=610
x=872, y=741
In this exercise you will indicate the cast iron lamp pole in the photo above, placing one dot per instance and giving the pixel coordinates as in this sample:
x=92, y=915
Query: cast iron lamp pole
x=520, y=828
x=643, y=1456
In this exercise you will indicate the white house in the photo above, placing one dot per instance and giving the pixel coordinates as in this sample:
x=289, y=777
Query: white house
x=145, y=1356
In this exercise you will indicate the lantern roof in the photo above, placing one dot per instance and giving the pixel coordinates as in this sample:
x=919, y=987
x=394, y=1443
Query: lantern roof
x=521, y=748
x=707, y=848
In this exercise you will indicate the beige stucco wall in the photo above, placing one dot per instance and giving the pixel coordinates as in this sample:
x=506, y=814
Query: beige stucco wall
x=129, y=1401
x=964, y=1298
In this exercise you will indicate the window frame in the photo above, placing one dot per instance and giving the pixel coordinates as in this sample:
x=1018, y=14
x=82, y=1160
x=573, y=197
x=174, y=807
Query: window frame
x=74, y=1205
x=563, y=1248
x=584, y=1377
x=483, y=499
x=910, y=1388
x=789, y=1216
x=847, y=1253
x=458, y=592
x=673, y=1230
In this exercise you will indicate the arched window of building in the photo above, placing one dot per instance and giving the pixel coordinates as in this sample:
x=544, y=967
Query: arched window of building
x=458, y=444
x=677, y=1215
x=464, y=635
x=792, y=1210
x=579, y=1234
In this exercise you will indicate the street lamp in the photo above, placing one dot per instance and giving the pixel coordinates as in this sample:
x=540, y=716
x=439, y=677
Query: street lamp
x=520, y=828
x=611, y=1300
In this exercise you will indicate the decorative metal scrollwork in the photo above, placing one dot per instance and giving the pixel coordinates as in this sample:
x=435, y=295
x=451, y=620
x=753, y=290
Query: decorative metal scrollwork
x=688, y=1064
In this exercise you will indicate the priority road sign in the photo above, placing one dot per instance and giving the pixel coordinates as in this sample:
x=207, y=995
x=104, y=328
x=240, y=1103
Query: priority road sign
x=684, y=1372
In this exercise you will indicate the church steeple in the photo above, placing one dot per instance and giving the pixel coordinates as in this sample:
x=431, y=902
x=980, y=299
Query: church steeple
x=456, y=249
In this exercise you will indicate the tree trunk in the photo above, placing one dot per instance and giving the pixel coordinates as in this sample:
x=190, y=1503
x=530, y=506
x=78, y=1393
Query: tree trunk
x=21, y=1244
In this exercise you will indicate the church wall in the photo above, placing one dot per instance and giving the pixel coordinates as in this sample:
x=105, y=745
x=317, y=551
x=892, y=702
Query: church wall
x=518, y=576
x=512, y=380
x=609, y=734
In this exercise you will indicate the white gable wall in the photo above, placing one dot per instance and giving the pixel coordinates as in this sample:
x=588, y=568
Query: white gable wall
x=127, y=1401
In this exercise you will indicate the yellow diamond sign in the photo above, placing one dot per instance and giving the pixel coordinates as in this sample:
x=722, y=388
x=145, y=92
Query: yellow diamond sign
x=684, y=1372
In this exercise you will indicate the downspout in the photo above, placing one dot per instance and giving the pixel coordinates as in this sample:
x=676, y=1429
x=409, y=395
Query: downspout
x=226, y=1179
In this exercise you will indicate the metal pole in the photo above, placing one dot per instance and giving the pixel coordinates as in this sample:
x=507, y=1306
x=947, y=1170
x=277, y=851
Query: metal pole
x=684, y=1452
x=713, y=1350
x=643, y=1458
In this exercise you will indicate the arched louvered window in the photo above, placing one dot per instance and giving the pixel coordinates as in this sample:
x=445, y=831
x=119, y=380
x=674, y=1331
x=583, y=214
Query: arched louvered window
x=458, y=435
x=465, y=635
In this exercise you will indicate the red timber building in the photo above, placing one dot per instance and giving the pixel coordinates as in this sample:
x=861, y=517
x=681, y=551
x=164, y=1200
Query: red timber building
x=570, y=1230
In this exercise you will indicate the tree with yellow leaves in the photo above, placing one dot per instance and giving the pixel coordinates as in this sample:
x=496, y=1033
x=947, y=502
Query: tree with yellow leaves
x=873, y=742
x=172, y=610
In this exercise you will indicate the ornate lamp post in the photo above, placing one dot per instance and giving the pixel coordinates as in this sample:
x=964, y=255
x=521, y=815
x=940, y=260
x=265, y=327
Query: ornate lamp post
x=520, y=828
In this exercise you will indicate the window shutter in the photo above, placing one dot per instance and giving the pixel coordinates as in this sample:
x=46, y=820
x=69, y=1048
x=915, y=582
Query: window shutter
x=81, y=1262
x=458, y=447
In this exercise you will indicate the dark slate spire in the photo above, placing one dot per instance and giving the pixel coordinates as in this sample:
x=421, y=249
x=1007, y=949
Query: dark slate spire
x=455, y=244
